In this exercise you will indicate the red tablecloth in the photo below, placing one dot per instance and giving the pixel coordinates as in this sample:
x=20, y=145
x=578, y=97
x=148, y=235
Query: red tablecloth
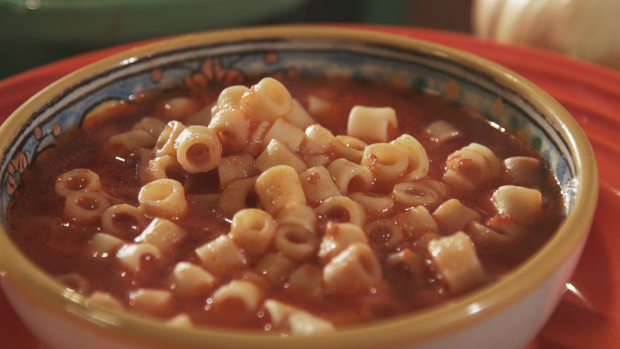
x=589, y=314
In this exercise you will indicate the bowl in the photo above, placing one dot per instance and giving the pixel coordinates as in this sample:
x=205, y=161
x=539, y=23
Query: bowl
x=506, y=314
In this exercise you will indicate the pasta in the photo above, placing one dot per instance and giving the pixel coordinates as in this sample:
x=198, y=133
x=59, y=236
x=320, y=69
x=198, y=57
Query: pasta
x=278, y=187
x=163, y=198
x=267, y=101
x=245, y=208
x=318, y=184
x=286, y=133
x=191, y=280
x=352, y=270
x=79, y=179
x=455, y=258
x=122, y=220
x=232, y=129
x=198, y=149
x=163, y=234
x=350, y=176
x=278, y=154
x=371, y=125
x=235, y=167
x=85, y=207
x=386, y=161
x=253, y=230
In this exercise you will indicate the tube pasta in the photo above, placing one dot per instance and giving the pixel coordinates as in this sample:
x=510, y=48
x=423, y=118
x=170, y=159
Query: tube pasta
x=279, y=186
x=130, y=255
x=418, y=164
x=235, y=167
x=151, y=301
x=318, y=184
x=74, y=282
x=485, y=239
x=163, y=234
x=201, y=117
x=442, y=132
x=286, y=133
x=229, y=98
x=318, y=140
x=181, y=321
x=274, y=267
x=252, y=230
x=374, y=204
x=455, y=259
x=267, y=101
x=343, y=209
x=386, y=161
x=132, y=140
x=350, y=148
x=350, y=176
x=372, y=125
x=308, y=278
x=159, y=167
x=122, y=220
x=150, y=125
x=232, y=129
x=470, y=166
x=298, y=214
x=165, y=144
x=235, y=196
x=245, y=292
x=164, y=198
x=338, y=236
x=198, y=149
x=277, y=154
x=295, y=321
x=255, y=144
x=103, y=300
x=352, y=271
x=178, y=108
x=296, y=242
x=318, y=105
x=521, y=204
x=103, y=245
x=85, y=207
x=318, y=160
x=221, y=255
x=299, y=116
x=191, y=280
x=412, y=194
x=417, y=221
x=408, y=260
x=384, y=233
x=79, y=179
x=523, y=169
x=453, y=216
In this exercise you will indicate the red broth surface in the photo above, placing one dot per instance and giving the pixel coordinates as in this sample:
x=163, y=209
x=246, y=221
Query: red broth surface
x=59, y=246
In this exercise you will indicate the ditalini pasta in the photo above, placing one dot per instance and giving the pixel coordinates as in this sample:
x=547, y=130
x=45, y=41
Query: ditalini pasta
x=293, y=205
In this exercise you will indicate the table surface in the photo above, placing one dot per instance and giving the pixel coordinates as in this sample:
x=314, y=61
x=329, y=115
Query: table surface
x=589, y=314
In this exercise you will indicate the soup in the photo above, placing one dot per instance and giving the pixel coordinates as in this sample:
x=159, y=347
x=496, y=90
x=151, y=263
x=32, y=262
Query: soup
x=298, y=206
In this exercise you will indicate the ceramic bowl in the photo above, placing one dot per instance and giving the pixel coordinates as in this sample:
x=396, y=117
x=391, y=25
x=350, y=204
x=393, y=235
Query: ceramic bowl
x=505, y=314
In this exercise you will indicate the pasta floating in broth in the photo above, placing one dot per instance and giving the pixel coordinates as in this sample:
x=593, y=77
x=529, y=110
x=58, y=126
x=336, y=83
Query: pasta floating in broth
x=294, y=209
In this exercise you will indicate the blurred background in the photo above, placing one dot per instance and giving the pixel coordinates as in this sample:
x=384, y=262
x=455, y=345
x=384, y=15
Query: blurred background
x=35, y=32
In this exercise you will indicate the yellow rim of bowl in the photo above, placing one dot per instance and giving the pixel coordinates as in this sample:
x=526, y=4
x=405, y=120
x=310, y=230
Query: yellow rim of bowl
x=443, y=320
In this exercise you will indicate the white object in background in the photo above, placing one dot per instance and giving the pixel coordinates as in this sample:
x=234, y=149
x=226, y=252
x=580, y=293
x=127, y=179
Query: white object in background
x=586, y=29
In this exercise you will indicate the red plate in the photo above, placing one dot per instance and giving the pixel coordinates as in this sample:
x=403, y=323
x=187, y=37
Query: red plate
x=589, y=315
